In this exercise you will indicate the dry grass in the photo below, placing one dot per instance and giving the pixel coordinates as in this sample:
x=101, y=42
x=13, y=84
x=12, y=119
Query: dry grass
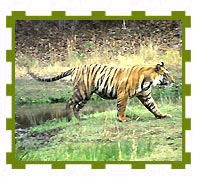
x=147, y=55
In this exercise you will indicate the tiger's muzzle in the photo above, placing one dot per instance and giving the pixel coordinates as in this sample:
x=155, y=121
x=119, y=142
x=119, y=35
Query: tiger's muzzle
x=167, y=80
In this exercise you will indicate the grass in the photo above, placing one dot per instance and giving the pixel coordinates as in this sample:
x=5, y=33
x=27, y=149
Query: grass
x=102, y=138
x=37, y=92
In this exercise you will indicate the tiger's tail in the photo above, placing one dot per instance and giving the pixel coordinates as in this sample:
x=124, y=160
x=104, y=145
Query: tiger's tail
x=51, y=79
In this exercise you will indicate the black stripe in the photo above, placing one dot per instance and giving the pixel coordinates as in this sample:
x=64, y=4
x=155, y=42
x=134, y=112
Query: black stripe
x=147, y=94
x=100, y=80
x=103, y=69
x=142, y=84
x=153, y=107
x=108, y=76
x=83, y=70
x=146, y=97
x=113, y=75
x=149, y=105
x=96, y=71
x=145, y=89
x=88, y=78
x=93, y=68
x=77, y=73
x=128, y=77
x=113, y=91
x=86, y=95
x=85, y=83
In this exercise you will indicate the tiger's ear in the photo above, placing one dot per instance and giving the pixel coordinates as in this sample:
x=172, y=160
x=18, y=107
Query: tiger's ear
x=162, y=64
x=158, y=67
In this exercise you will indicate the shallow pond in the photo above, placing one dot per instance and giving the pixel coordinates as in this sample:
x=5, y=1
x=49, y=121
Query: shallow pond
x=34, y=114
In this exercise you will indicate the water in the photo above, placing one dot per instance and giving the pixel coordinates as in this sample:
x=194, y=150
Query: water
x=35, y=114
x=31, y=115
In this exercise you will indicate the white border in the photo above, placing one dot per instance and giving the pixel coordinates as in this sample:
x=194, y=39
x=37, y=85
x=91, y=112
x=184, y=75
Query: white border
x=112, y=7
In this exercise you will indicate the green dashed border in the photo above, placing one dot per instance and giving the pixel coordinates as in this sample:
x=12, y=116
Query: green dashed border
x=98, y=15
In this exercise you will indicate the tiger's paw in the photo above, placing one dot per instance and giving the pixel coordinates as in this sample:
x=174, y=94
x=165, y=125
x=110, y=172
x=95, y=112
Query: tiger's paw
x=164, y=116
x=168, y=116
x=123, y=119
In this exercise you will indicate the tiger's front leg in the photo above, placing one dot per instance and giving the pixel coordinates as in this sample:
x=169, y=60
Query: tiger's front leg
x=122, y=100
x=150, y=104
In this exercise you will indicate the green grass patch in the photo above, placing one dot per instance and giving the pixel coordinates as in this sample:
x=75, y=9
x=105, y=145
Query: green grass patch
x=102, y=138
x=31, y=92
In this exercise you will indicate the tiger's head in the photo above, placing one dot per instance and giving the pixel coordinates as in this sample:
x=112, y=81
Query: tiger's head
x=164, y=78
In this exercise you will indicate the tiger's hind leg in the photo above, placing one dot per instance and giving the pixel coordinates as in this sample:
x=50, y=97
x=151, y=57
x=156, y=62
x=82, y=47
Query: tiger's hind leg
x=150, y=104
x=69, y=111
x=77, y=107
x=79, y=99
x=73, y=107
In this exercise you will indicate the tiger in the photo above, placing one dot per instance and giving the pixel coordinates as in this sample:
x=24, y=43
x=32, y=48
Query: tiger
x=113, y=83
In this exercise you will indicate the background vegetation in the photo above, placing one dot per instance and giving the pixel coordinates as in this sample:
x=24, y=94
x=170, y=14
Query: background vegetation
x=49, y=48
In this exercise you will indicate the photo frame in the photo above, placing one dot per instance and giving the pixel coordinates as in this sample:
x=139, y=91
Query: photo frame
x=99, y=15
